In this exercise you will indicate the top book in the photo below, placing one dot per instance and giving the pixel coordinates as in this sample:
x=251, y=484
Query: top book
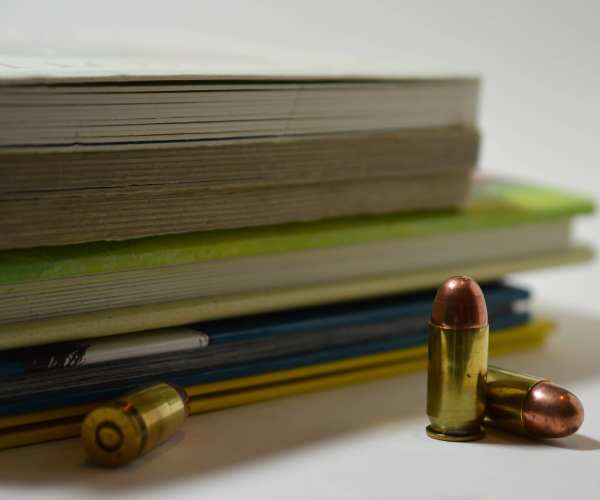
x=66, y=101
x=138, y=146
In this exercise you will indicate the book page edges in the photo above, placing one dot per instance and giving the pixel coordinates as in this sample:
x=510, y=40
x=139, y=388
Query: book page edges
x=192, y=311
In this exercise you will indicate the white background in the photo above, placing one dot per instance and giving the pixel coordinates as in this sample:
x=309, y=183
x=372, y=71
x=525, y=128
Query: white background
x=540, y=62
x=540, y=116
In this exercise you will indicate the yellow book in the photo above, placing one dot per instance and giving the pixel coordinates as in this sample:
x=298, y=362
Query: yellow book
x=48, y=425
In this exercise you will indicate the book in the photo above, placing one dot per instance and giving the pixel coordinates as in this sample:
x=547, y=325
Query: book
x=86, y=114
x=504, y=228
x=162, y=315
x=83, y=107
x=60, y=423
x=263, y=163
x=33, y=218
x=54, y=392
x=138, y=154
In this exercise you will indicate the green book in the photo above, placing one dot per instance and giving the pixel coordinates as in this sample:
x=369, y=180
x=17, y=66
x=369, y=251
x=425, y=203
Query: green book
x=57, y=293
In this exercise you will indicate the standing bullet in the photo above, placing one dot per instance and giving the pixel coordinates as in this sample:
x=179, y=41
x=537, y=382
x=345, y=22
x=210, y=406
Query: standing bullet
x=531, y=406
x=457, y=370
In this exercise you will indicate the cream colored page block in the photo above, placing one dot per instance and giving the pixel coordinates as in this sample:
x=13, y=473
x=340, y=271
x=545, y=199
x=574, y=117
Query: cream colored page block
x=178, y=313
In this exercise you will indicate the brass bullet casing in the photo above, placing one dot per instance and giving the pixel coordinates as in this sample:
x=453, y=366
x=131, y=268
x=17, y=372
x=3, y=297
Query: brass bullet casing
x=115, y=434
x=531, y=406
x=457, y=369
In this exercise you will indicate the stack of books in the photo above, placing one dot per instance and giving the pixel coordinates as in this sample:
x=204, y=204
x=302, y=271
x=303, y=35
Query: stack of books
x=243, y=230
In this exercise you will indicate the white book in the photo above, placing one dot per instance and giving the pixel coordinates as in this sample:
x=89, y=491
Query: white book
x=115, y=99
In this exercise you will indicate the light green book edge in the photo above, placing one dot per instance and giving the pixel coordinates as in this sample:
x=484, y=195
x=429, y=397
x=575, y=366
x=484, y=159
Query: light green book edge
x=492, y=204
x=135, y=319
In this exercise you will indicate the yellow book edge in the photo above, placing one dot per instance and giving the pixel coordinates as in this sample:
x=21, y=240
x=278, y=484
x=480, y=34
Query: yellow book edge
x=178, y=313
x=48, y=425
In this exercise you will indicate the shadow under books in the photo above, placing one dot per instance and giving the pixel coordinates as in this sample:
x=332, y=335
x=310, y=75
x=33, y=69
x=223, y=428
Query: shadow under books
x=215, y=442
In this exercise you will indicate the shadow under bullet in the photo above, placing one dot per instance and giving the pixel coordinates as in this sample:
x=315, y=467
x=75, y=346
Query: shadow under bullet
x=495, y=436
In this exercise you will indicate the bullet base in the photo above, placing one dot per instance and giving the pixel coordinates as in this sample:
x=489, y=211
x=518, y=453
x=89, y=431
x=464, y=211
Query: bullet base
x=447, y=437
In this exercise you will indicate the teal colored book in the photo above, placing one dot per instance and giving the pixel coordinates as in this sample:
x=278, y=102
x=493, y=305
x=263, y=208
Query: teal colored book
x=222, y=360
x=58, y=293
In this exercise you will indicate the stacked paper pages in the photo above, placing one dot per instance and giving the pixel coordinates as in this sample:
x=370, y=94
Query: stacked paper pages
x=91, y=153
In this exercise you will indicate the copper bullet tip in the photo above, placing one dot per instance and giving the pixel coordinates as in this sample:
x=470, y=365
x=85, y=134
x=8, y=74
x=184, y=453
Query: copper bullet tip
x=459, y=303
x=550, y=411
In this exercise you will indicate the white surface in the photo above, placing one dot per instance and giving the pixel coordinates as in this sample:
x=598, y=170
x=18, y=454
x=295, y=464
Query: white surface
x=540, y=111
x=539, y=62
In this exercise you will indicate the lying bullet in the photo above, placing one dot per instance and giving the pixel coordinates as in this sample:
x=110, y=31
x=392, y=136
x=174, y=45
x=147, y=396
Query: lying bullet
x=531, y=406
x=457, y=370
x=115, y=434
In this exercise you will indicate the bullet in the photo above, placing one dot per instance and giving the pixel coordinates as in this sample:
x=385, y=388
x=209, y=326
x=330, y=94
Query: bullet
x=115, y=434
x=531, y=406
x=457, y=369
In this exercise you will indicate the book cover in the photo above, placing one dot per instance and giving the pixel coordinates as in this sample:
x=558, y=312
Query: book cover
x=56, y=63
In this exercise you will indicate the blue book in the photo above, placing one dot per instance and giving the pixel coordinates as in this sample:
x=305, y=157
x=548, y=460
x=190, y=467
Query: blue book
x=196, y=336
x=352, y=329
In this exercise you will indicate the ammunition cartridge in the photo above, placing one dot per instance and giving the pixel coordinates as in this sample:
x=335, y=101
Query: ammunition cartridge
x=530, y=405
x=115, y=434
x=457, y=369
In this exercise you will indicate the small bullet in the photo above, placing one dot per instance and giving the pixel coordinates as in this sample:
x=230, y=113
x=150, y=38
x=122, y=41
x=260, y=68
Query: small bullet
x=117, y=433
x=457, y=368
x=531, y=406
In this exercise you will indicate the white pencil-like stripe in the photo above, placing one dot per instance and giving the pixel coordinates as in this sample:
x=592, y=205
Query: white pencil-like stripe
x=134, y=345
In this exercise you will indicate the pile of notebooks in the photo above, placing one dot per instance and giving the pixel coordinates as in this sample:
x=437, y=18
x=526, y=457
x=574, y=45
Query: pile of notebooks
x=247, y=232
